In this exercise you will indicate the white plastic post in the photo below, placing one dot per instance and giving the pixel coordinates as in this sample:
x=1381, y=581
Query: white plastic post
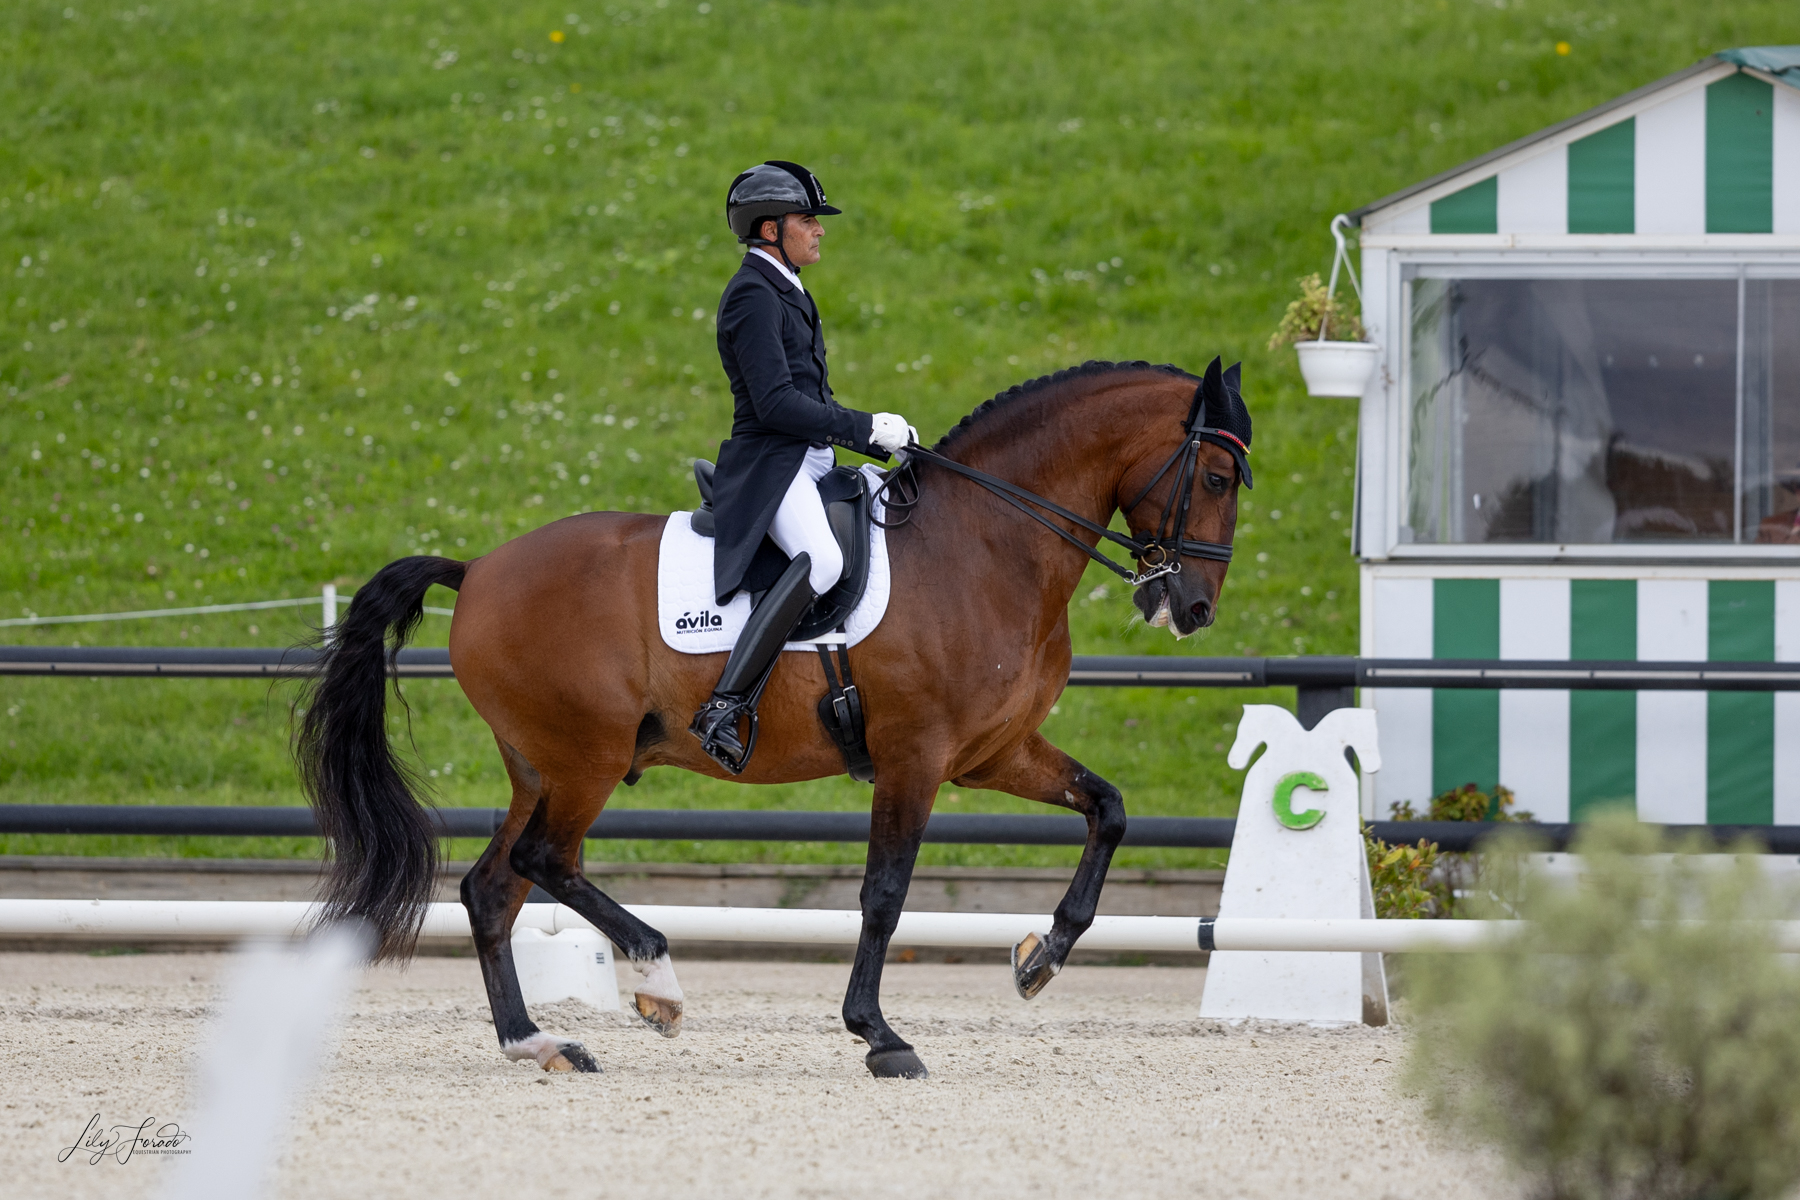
x=328, y=610
x=575, y=964
x=1298, y=853
x=279, y=1008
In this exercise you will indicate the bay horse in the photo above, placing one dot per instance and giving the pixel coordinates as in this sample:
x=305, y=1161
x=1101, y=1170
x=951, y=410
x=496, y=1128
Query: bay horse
x=555, y=643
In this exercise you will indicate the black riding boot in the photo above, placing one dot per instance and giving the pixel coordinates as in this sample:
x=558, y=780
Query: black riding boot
x=748, y=669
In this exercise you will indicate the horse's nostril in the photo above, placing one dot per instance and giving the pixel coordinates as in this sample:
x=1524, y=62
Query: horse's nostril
x=1202, y=611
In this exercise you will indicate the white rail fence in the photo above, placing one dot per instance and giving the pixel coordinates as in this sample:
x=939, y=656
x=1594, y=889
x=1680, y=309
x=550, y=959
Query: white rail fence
x=176, y=919
x=327, y=602
x=220, y=919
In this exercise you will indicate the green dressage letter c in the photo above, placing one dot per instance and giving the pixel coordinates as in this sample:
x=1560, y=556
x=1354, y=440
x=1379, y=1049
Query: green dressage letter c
x=1284, y=800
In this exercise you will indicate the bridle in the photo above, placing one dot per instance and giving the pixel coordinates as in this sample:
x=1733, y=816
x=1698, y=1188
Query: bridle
x=1157, y=554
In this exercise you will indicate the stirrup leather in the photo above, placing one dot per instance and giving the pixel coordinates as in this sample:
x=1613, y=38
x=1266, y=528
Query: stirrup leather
x=748, y=669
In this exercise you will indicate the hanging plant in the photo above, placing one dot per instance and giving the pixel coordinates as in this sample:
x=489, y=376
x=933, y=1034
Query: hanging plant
x=1317, y=316
x=1336, y=357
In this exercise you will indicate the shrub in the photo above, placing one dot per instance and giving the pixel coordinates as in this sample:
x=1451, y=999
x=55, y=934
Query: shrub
x=1405, y=881
x=1636, y=1040
x=1421, y=881
x=1300, y=323
x=1465, y=803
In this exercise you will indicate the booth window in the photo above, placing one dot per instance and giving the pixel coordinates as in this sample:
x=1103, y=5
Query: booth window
x=1604, y=410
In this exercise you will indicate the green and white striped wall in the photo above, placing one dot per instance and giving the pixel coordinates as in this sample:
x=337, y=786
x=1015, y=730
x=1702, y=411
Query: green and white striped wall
x=1715, y=153
x=1679, y=757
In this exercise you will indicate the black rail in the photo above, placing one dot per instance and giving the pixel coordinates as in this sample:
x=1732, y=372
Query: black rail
x=194, y=662
x=1322, y=683
x=1315, y=672
x=739, y=825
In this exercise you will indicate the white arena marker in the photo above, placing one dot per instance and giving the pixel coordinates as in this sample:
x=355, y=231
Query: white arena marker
x=259, y=1057
x=576, y=964
x=1297, y=853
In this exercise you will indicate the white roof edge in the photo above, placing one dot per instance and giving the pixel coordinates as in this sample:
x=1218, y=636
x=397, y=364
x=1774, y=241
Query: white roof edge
x=1669, y=555
x=1707, y=70
x=1659, y=560
x=1760, y=242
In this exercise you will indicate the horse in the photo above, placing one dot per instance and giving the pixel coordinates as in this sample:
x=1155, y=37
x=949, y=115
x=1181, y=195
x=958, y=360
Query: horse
x=555, y=643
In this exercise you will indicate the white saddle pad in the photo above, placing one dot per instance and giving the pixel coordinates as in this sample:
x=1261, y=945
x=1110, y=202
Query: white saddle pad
x=693, y=623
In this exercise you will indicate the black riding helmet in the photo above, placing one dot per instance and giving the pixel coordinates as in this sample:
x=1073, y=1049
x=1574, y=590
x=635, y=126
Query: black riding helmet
x=773, y=189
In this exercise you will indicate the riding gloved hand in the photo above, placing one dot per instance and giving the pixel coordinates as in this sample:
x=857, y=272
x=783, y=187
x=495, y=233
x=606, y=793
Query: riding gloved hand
x=891, y=432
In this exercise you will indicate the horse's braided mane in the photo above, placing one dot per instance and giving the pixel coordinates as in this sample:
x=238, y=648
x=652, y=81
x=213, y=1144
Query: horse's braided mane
x=1024, y=391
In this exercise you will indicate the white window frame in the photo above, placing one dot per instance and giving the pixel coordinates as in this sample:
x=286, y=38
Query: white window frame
x=1385, y=425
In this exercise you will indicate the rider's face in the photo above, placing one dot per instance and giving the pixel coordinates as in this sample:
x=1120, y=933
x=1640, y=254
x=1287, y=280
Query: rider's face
x=800, y=238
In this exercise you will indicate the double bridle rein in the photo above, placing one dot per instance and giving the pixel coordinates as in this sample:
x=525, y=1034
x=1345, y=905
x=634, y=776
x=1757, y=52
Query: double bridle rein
x=1158, y=554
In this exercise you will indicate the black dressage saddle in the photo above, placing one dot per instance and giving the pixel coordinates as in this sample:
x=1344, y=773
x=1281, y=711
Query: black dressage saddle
x=845, y=491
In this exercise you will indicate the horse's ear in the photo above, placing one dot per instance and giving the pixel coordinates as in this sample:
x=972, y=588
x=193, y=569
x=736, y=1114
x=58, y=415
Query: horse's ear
x=1233, y=374
x=1209, y=397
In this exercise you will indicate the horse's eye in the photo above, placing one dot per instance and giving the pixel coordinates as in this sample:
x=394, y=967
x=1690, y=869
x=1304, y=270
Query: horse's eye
x=1216, y=482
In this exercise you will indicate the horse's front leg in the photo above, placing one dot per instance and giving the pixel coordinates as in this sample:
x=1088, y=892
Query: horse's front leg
x=1036, y=770
x=897, y=822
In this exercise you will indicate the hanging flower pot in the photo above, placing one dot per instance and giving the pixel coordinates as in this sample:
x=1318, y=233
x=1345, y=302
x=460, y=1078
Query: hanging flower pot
x=1337, y=368
x=1336, y=357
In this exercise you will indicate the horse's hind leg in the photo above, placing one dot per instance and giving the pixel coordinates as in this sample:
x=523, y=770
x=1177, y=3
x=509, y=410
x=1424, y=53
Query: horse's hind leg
x=1039, y=771
x=547, y=853
x=493, y=893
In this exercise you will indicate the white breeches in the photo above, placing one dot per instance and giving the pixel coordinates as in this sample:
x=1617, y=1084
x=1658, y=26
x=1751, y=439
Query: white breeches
x=800, y=523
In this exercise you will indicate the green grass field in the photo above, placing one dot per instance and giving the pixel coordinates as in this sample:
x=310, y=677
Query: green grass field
x=297, y=289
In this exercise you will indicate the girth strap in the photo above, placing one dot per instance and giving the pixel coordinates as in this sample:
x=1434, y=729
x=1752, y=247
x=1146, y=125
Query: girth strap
x=841, y=712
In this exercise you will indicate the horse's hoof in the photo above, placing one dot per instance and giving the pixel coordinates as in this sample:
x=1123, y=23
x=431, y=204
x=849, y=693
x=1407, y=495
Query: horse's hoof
x=664, y=1016
x=573, y=1056
x=1032, y=967
x=551, y=1053
x=896, y=1064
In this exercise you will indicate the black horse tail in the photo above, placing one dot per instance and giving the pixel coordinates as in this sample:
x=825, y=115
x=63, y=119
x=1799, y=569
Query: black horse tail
x=368, y=802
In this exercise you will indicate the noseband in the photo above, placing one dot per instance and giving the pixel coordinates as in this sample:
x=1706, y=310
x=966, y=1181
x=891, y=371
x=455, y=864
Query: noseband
x=1158, y=554
x=1168, y=546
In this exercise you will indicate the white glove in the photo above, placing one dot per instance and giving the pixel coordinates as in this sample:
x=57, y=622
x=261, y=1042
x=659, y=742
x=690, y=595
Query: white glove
x=891, y=432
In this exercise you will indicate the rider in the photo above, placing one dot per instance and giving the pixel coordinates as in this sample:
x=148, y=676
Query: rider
x=784, y=424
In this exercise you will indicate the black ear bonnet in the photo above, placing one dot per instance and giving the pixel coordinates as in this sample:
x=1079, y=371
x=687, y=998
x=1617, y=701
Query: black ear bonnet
x=1220, y=416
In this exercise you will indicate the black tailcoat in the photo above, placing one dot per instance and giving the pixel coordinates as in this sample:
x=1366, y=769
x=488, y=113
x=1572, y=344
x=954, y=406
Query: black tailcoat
x=774, y=354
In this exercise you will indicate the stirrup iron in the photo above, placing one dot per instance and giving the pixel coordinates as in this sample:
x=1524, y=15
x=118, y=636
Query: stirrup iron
x=720, y=715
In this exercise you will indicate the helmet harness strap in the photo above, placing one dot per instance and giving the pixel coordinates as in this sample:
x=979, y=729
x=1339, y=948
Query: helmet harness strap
x=780, y=242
